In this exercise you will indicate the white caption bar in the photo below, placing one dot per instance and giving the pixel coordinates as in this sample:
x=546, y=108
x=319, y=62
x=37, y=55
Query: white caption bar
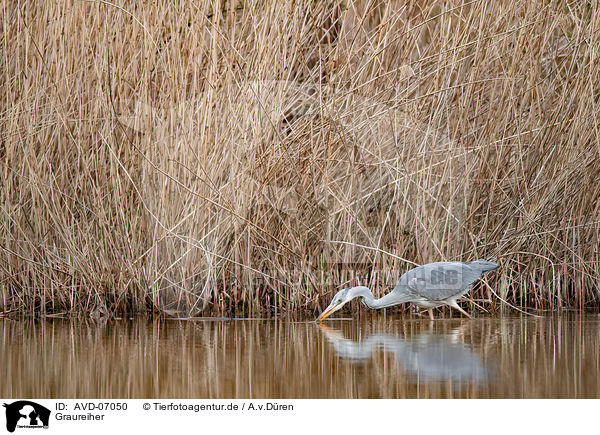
x=151, y=416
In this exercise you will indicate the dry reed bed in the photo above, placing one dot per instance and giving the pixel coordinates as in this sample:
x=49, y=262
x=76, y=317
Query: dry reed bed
x=253, y=157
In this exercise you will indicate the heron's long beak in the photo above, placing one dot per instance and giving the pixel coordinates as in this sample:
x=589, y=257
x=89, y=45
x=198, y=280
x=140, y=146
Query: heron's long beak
x=332, y=308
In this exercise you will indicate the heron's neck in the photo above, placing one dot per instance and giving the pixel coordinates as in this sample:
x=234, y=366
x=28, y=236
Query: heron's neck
x=368, y=299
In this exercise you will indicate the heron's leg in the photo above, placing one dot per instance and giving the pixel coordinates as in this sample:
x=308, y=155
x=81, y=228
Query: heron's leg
x=453, y=304
x=430, y=313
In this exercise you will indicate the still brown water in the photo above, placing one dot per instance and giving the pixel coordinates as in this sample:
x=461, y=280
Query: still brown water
x=378, y=358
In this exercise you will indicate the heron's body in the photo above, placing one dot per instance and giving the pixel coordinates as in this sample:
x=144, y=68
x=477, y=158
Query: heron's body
x=427, y=286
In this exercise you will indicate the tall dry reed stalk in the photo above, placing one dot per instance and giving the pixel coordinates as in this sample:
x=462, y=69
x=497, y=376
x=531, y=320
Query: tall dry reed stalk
x=253, y=157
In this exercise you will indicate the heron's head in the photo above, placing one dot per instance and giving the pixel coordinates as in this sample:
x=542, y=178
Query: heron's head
x=338, y=302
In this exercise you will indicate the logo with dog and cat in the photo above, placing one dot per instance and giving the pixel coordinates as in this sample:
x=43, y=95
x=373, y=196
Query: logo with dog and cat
x=25, y=414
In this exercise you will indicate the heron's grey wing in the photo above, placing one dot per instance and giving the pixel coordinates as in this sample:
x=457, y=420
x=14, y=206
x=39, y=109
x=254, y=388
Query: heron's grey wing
x=438, y=281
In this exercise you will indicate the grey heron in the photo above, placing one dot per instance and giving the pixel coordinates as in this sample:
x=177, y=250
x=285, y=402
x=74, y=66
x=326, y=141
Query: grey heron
x=427, y=286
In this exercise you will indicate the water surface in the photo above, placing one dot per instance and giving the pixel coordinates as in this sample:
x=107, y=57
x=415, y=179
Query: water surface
x=383, y=357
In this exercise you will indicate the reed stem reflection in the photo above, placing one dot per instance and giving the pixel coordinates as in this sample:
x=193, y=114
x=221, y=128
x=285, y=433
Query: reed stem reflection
x=374, y=358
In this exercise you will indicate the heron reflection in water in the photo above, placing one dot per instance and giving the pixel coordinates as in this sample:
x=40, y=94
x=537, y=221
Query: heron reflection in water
x=427, y=286
x=426, y=356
